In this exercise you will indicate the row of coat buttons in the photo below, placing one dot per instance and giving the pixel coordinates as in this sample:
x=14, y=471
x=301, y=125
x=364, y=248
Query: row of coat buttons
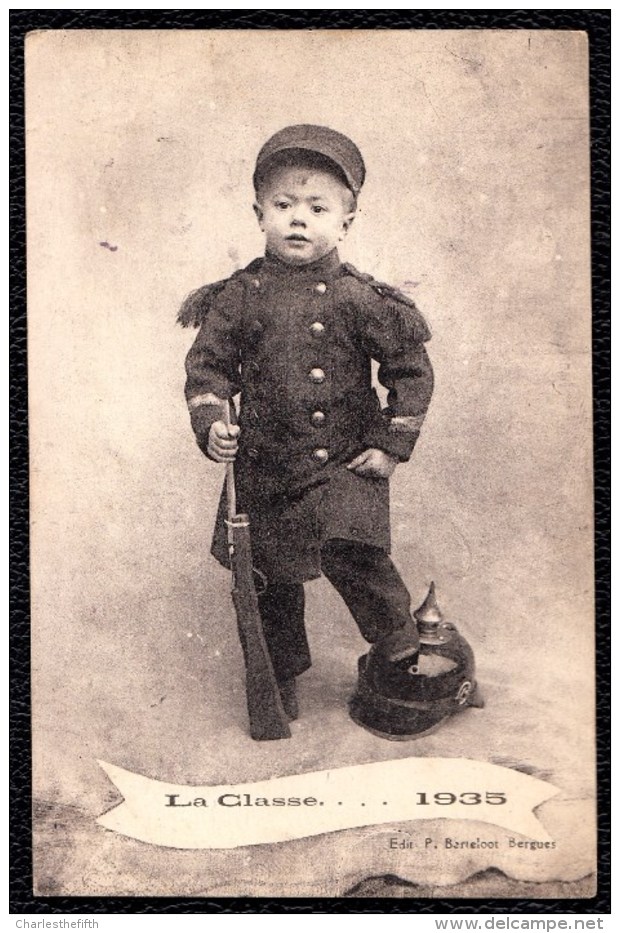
x=317, y=376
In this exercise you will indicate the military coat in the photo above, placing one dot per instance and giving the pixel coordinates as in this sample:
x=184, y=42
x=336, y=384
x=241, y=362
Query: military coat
x=297, y=344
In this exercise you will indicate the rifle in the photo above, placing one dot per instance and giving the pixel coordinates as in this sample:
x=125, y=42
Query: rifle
x=266, y=713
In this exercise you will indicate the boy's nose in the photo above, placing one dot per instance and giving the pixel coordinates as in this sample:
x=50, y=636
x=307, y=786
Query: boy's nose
x=297, y=218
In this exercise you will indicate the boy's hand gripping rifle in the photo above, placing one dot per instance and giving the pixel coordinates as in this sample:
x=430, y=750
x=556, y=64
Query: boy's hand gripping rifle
x=266, y=713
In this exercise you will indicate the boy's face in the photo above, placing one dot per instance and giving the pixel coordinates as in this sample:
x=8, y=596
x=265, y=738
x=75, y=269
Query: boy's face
x=304, y=213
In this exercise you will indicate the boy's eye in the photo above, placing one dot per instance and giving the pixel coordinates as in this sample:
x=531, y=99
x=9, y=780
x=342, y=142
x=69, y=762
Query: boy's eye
x=318, y=209
x=282, y=205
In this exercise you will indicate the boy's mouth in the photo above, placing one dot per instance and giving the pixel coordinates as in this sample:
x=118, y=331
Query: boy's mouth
x=298, y=238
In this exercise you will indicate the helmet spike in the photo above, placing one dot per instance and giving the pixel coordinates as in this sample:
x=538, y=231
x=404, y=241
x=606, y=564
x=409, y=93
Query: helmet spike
x=429, y=615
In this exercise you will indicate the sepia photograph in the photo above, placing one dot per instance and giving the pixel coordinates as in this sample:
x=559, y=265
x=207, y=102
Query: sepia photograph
x=311, y=470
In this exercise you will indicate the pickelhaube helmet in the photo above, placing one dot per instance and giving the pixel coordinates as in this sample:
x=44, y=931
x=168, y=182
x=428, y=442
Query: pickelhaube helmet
x=405, y=694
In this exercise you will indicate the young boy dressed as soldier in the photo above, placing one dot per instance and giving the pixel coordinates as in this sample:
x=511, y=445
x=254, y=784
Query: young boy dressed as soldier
x=295, y=333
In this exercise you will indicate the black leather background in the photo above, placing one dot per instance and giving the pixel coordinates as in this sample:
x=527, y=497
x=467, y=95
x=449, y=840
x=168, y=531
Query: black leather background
x=597, y=24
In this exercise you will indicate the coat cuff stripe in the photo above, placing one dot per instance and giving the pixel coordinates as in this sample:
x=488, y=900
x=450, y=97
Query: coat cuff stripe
x=408, y=424
x=207, y=399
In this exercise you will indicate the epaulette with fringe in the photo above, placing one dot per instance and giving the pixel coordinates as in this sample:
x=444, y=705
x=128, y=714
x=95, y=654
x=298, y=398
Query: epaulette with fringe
x=386, y=291
x=198, y=303
x=416, y=322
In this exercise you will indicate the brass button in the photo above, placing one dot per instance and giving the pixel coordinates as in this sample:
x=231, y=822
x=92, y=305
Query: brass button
x=321, y=288
x=253, y=453
x=256, y=283
x=317, y=329
x=320, y=455
x=317, y=376
x=317, y=418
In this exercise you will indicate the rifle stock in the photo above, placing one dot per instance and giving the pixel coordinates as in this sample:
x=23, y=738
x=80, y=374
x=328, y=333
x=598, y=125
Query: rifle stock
x=266, y=713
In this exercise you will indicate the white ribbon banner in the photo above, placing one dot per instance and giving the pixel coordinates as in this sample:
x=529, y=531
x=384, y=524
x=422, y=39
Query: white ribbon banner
x=301, y=805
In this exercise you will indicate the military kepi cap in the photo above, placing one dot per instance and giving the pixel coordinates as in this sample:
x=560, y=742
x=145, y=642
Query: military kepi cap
x=334, y=146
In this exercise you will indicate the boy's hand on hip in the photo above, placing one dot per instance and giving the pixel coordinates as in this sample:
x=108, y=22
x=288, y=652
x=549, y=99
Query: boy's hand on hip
x=373, y=463
x=223, y=442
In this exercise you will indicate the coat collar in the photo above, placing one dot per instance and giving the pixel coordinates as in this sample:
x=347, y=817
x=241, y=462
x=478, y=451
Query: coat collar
x=326, y=266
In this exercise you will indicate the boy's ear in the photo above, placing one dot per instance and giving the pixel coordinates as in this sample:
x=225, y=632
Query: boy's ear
x=259, y=213
x=346, y=224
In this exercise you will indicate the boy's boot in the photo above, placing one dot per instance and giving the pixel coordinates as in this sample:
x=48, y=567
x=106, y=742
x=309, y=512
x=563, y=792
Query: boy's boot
x=288, y=692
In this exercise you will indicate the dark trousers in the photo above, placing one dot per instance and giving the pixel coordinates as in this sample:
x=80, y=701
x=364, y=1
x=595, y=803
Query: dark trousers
x=368, y=582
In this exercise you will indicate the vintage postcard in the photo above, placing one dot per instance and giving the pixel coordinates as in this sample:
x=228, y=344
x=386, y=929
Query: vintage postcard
x=378, y=243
